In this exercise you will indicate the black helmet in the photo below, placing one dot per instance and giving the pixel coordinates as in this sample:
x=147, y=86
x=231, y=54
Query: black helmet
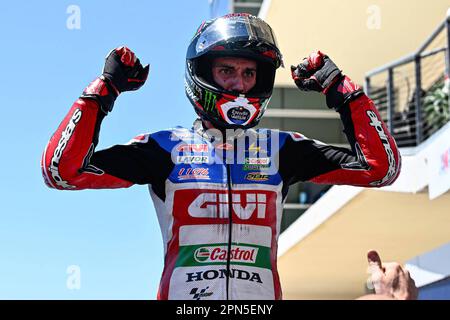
x=238, y=35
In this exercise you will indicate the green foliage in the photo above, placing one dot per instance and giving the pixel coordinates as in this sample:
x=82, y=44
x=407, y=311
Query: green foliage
x=436, y=105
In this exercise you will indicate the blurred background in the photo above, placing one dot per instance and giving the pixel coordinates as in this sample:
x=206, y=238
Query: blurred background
x=106, y=244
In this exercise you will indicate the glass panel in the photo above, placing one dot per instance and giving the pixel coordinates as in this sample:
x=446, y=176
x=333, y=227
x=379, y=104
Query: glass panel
x=289, y=217
x=247, y=1
x=272, y=123
x=252, y=11
x=325, y=130
x=275, y=101
x=296, y=99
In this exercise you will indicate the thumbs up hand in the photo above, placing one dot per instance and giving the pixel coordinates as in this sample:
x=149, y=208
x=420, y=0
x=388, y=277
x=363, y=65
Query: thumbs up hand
x=390, y=278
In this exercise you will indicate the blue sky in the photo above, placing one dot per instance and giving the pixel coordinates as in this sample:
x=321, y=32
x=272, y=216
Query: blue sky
x=113, y=236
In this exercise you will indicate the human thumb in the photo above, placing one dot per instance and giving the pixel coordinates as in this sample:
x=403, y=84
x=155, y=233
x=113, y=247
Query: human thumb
x=374, y=259
x=375, y=270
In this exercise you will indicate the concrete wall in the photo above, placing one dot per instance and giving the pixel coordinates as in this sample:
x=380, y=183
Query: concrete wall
x=358, y=35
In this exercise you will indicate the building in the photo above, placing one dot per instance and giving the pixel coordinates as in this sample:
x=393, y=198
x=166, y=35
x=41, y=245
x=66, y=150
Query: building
x=322, y=254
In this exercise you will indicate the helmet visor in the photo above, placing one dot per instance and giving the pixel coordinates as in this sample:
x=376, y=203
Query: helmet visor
x=236, y=27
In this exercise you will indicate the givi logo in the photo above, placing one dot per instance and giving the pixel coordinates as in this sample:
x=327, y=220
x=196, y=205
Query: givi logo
x=245, y=204
x=216, y=205
x=197, y=147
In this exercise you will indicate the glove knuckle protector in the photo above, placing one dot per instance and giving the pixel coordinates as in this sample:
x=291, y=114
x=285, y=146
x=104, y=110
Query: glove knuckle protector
x=320, y=68
x=124, y=70
x=319, y=73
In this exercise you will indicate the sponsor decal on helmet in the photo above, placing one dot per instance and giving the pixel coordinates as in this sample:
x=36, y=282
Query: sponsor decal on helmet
x=193, y=173
x=237, y=15
x=378, y=125
x=256, y=176
x=239, y=111
x=62, y=144
x=209, y=101
x=223, y=273
x=189, y=90
x=238, y=115
x=192, y=159
x=210, y=254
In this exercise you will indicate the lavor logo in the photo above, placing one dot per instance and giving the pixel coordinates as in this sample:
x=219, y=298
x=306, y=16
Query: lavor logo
x=192, y=159
x=217, y=254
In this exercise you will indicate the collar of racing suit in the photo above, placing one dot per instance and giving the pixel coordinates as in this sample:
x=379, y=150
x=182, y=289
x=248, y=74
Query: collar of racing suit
x=218, y=136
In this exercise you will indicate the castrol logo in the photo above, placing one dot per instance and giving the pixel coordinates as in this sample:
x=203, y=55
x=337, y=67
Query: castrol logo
x=211, y=254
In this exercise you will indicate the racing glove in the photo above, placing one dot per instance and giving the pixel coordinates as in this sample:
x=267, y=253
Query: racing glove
x=319, y=73
x=122, y=72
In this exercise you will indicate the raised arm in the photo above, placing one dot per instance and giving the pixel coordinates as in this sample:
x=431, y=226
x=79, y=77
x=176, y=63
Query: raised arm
x=69, y=161
x=373, y=160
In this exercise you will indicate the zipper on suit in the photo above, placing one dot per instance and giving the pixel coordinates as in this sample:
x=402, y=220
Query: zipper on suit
x=230, y=227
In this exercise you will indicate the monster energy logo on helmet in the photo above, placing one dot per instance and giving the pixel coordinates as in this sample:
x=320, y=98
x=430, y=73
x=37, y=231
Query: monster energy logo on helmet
x=209, y=100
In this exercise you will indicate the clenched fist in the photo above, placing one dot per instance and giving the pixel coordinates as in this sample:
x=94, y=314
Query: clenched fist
x=318, y=72
x=124, y=70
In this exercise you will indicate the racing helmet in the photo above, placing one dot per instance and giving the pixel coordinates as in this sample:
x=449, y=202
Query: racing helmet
x=233, y=35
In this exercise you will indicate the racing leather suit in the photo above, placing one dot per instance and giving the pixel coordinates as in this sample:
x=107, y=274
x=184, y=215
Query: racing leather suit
x=220, y=219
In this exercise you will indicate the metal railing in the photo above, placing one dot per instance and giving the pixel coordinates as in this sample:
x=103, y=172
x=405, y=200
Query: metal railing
x=401, y=89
